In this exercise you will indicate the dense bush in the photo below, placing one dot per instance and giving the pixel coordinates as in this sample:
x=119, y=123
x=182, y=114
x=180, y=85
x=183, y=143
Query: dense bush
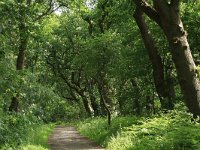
x=26, y=132
x=14, y=129
x=35, y=97
x=38, y=103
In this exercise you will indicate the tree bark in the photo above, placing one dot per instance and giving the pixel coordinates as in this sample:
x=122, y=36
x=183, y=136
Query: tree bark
x=136, y=99
x=104, y=97
x=161, y=85
x=76, y=87
x=181, y=55
x=185, y=67
x=167, y=16
x=94, y=103
x=14, y=106
x=86, y=105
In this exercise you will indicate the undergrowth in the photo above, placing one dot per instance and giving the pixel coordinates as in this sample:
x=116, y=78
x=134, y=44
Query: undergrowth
x=14, y=129
x=38, y=138
x=172, y=131
x=23, y=132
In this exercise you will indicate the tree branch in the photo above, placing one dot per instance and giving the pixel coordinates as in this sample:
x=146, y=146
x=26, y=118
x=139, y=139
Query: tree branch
x=103, y=16
x=46, y=12
x=90, y=25
x=49, y=10
x=148, y=10
x=162, y=7
x=69, y=84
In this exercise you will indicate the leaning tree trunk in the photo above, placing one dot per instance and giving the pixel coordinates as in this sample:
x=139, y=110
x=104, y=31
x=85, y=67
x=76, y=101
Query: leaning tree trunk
x=167, y=15
x=161, y=85
x=94, y=104
x=185, y=66
x=181, y=55
x=86, y=105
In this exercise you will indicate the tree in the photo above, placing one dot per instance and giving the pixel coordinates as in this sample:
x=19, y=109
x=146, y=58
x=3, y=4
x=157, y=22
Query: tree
x=167, y=15
x=27, y=14
x=163, y=87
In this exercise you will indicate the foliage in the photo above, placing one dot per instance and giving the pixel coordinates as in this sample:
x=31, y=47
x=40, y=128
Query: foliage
x=100, y=132
x=70, y=48
x=23, y=131
x=165, y=131
x=14, y=129
x=38, y=138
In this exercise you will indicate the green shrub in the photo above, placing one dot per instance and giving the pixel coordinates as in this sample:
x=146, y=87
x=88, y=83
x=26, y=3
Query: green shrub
x=172, y=131
x=20, y=131
x=38, y=138
x=98, y=130
x=14, y=129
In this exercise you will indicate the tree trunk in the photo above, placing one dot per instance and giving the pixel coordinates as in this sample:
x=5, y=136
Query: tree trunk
x=104, y=97
x=182, y=57
x=19, y=66
x=20, y=61
x=14, y=106
x=21, y=57
x=94, y=103
x=86, y=105
x=167, y=15
x=185, y=67
x=169, y=83
x=161, y=85
x=137, y=97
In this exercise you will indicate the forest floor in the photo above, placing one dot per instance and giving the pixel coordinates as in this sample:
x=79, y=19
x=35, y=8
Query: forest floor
x=68, y=138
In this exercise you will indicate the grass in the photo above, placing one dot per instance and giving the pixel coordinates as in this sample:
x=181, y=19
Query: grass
x=172, y=131
x=38, y=138
x=34, y=147
x=97, y=129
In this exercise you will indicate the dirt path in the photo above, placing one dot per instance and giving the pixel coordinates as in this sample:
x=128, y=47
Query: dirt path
x=68, y=138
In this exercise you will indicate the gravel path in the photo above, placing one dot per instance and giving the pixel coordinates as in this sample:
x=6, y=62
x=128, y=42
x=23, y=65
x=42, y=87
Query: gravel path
x=68, y=138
